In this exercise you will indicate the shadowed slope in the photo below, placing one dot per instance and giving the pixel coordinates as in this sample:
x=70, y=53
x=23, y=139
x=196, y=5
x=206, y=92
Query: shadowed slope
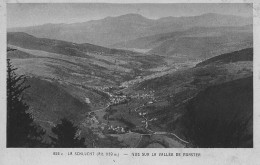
x=222, y=115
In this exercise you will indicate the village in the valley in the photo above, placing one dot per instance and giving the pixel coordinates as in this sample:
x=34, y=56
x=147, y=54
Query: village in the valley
x=104, y=126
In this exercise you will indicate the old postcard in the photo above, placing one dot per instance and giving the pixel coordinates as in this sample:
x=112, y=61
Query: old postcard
x=113, y=82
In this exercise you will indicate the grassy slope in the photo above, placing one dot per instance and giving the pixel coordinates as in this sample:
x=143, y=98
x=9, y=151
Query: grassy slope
x=111, y=65
x=51, y=102
x=57, y=46
x=17, y=54
x=241, y=55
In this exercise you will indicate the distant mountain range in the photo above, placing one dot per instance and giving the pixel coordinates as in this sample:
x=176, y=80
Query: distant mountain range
x=112, y=30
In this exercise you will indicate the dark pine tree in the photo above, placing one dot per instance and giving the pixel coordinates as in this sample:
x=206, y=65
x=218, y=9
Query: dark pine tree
x=21, y=130
x=66, y=136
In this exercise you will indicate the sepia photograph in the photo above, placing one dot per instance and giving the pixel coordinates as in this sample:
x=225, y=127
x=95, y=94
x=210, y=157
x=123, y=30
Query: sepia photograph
x=129, y=75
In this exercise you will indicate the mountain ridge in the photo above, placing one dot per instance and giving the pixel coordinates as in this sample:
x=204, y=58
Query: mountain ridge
x=111, y=30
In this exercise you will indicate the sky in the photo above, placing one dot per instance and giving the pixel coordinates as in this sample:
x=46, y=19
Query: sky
x=20, y=15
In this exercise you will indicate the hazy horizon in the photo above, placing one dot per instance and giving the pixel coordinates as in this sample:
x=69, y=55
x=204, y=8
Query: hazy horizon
x=22, y=15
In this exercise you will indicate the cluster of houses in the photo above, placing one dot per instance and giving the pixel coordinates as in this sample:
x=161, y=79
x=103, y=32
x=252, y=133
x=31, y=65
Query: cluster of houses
x=97, y=126
x=149, y=95
x=115, y=98
x=90, y=121
x=116, y=130
x=118, y=99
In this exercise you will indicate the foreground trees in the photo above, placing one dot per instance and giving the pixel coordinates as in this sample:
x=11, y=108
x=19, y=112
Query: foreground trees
x=66, y=136
x=21, y=130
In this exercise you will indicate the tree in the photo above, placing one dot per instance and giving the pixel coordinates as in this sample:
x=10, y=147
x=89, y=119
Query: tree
x=66, y=135
x=21, y=130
